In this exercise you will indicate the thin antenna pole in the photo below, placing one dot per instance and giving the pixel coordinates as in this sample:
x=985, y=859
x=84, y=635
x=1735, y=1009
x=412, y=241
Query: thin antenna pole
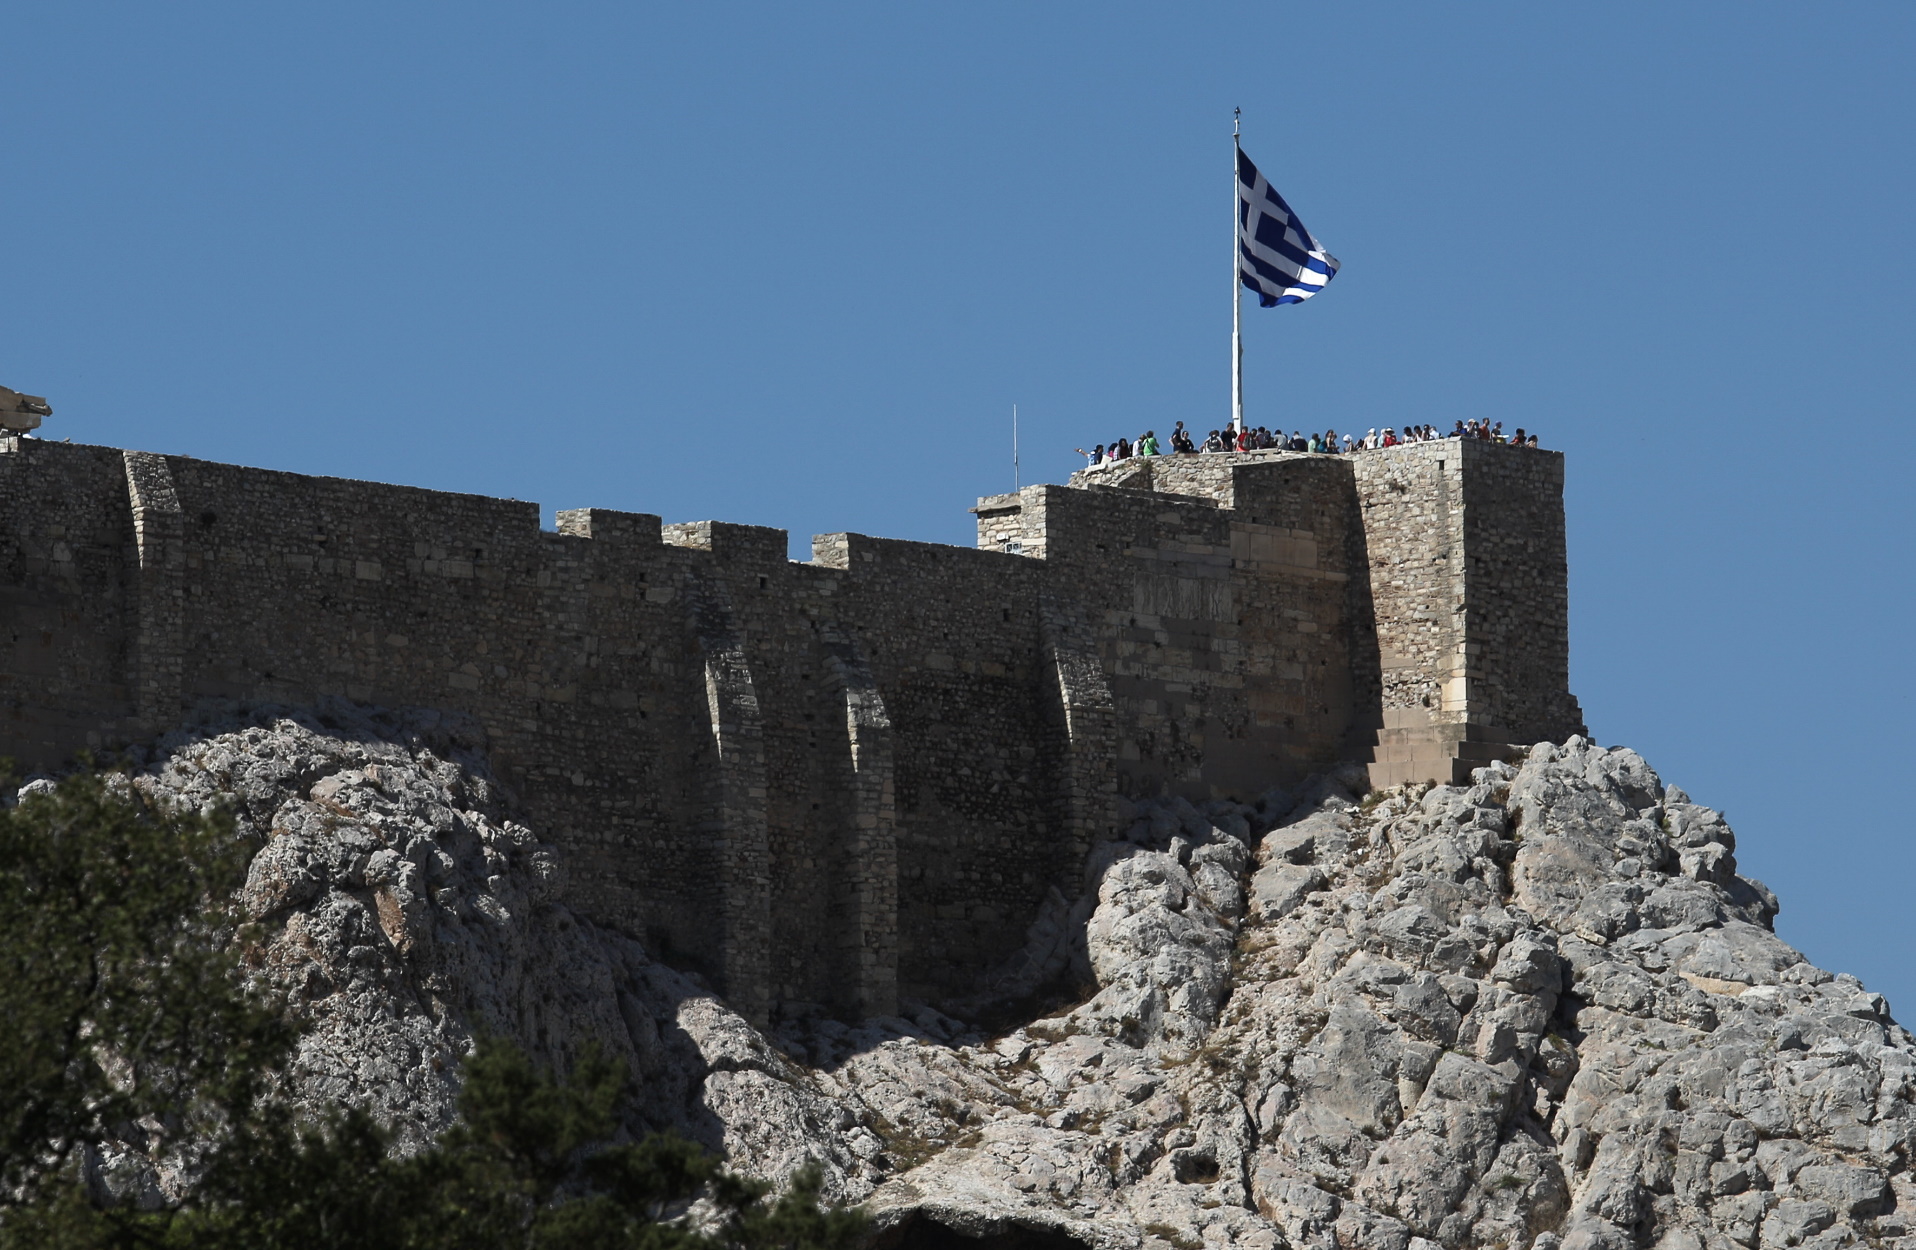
x=1016, y=483
x=1237, y=293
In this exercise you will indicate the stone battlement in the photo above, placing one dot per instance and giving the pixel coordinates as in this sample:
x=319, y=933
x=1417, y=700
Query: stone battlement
x=842, y=780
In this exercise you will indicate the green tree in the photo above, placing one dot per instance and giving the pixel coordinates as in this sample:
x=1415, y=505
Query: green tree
x=127, y=1016
x=531, y=1165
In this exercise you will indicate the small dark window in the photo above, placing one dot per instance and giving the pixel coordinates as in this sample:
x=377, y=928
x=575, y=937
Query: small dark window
x=762, y=582
x=1007, y=614
x=208, y=518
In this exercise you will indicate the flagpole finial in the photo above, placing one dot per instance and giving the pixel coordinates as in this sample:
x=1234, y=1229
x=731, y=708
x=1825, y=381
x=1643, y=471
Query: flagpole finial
x=1236, y=113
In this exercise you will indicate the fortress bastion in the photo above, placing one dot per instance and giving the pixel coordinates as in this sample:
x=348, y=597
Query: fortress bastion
x=842, y=781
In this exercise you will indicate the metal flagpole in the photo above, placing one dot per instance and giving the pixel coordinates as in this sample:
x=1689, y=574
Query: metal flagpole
x=1237, y=294
x=1016, y=485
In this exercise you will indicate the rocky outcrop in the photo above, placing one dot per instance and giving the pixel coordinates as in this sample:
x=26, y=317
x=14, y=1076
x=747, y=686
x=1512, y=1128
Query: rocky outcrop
x=404, y=915
x=1539, y=1011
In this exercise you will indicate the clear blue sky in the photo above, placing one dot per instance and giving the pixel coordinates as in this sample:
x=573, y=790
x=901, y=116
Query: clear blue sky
x=792, y=265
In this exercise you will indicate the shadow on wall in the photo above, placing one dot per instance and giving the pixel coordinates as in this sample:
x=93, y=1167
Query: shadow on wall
x=1366, y=656
x=923, y=1233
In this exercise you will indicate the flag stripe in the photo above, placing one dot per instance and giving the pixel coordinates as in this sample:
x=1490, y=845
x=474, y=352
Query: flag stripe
x=1277, y=257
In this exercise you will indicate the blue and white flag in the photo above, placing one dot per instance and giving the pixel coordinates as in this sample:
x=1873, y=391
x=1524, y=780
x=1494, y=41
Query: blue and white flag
x=1276, y=255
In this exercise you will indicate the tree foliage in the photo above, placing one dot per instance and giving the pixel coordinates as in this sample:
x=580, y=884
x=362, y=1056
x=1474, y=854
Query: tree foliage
x=137, y=1027
x=127, y=1017
x=531, y=1163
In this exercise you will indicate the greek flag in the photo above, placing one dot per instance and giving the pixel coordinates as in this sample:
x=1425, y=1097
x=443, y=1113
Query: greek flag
x=1276, y=255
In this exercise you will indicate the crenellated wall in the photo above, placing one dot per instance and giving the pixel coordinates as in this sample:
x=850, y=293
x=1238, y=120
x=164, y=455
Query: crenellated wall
x=845, y=781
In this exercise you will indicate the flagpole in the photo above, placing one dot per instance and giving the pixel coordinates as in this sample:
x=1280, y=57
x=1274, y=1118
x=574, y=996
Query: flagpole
x=1237, y=295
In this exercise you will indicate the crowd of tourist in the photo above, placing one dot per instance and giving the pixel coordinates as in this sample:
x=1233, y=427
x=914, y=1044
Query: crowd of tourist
x=1329, y=442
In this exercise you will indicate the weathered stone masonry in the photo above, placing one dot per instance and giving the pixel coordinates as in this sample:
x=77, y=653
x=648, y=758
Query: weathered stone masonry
x=842, y=781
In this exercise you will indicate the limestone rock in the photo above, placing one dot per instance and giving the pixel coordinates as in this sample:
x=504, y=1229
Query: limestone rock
x=1541, y=1010
x=405, y=914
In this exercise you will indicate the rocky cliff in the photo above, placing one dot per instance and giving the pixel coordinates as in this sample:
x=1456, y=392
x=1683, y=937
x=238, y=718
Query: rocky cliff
x=1540, y=1011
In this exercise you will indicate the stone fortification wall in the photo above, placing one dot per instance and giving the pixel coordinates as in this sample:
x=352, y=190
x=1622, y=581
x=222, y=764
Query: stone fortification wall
x=841, y=781
x=1516, y=593
x=68, y=681
x=1413, y=521
x=1469, y=580
x=746, y=757
x=1457, y=630
x=1224, y=614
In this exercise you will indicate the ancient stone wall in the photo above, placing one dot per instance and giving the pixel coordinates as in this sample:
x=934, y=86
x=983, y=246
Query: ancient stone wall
x=1516, y=592
x=1413, y=526
x=1220, y=597
x=842, y=781
x=1468, y=581
x=69, y=598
